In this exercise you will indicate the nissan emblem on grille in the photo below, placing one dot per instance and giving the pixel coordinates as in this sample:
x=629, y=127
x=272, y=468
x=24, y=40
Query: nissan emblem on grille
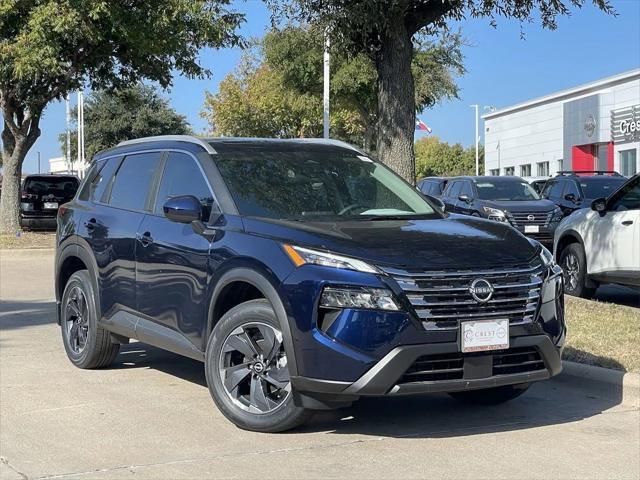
x=531, y=218
x=481, y=290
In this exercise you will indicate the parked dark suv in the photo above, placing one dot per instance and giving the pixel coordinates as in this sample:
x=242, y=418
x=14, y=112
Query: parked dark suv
x=573, y=190
x=41, y=196
x=504, y=199
x=303, y=274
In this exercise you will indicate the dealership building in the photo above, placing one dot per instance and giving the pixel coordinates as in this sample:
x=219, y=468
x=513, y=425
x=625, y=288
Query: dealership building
x=595, y=126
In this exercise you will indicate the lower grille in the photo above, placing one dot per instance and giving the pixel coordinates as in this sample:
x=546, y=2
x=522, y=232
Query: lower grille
x=517, y=360
x=450, y=366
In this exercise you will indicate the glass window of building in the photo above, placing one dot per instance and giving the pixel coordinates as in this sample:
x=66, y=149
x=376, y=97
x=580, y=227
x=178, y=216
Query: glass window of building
x=510, y=171
x=494, y=172
x=628, y=162
x=525, y=170
x=543, y=169
x=560, y=168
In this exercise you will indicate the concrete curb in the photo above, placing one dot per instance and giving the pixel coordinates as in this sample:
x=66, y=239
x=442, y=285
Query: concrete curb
x=627, y=382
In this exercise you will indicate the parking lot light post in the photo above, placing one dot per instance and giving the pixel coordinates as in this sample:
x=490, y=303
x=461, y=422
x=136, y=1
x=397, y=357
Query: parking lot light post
x=476, y=106
x=325, y=93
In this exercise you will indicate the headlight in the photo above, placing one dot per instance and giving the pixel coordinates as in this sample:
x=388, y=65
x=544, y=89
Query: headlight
x=370, y=298
x=300, y=256
x=546, y=256
x=495, y=214
x=557, y=215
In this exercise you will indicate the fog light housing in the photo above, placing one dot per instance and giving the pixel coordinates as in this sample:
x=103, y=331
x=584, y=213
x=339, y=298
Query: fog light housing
x=368, y=298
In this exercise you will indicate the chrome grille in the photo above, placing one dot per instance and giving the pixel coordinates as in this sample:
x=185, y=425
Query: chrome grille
x=441, y=299
x=520, y=219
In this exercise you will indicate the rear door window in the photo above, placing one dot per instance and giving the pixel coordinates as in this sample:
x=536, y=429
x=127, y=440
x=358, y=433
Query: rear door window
x=182, y=176
x=133, y=181
x=97, y=191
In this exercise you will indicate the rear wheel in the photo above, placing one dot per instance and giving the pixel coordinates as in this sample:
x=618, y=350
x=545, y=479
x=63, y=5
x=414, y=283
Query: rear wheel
x=491, y=396
x=87, y=344
x=574, y=268
x=247, y=372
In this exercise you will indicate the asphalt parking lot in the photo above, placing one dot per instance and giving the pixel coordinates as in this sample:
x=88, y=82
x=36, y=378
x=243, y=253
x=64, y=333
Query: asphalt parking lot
x=150, y=416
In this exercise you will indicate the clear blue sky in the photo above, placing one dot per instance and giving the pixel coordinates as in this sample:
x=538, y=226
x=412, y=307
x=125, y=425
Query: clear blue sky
x=502, y=68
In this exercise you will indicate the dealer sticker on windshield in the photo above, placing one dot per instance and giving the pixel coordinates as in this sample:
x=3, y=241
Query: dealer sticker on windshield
x=481, y=335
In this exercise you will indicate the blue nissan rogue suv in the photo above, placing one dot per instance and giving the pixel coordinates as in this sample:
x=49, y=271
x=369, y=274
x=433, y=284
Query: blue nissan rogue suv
x=303, y=274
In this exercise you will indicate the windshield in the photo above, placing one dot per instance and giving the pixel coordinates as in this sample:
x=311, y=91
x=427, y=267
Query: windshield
x=504, y=190
x=51, y=185
x=601, y=187
x=316, y=184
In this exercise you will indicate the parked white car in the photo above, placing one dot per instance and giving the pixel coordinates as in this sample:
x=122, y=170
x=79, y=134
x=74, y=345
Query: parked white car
x=601, y=244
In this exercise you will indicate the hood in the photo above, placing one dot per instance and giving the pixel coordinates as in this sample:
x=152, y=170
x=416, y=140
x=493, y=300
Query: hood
x=456, y=241
x=522, y=206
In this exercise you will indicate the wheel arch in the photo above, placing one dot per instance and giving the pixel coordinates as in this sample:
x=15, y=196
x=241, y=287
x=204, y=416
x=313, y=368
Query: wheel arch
x=568, y=237
x=73, y=256
x=252, y=279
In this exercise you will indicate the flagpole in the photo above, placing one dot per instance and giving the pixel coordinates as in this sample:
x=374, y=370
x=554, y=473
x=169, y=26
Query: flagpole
x=325, y=91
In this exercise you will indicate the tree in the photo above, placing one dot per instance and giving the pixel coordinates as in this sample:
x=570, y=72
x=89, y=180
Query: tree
x=49, y=48
x=277, y=90
x=437, y=158
x=387, y=32
x=111, y=117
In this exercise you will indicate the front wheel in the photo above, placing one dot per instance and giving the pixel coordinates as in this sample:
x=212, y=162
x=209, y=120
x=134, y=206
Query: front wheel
x=247, y=372
x=574, y=268
x=491, y=396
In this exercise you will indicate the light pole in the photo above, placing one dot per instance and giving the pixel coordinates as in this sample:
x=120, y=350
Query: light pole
x=325, y=91
x=476, y=106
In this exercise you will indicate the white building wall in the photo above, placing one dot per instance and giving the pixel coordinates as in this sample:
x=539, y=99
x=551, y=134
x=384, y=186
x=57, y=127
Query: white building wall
x=539, y=130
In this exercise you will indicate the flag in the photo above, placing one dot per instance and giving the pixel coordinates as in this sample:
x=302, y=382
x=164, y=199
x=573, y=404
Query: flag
x=420, y=125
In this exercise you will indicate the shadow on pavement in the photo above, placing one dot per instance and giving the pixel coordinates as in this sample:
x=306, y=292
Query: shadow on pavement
x=561, y=400
x=21, y=314
x=619, y=295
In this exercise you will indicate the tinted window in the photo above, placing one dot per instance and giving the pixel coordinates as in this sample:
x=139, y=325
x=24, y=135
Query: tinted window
x=133, y=180
x=426, y=187
x=466, y=189
x=554, y=189
x=499, y=189
x=571, y=188
x=602, y=187
x=313, y=183
x=182, y=176
x=55, y=185
x=629, y=197
x=88, y=180
x=454, y=190
x=98, y=191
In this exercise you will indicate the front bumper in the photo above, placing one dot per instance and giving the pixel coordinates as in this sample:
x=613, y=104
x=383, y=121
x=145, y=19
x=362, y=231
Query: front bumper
x=479, y=371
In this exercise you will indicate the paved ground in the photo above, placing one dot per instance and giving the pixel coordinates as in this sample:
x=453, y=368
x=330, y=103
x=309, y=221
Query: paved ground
x=150, y=416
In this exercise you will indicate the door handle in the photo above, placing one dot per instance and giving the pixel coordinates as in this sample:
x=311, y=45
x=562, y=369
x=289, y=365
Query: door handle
x=627, y=222
x=91, y=224
x=145, y=239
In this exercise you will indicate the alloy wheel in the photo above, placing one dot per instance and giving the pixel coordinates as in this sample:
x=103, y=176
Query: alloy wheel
x=253, y=368
x=571, y=269
x=77, y=320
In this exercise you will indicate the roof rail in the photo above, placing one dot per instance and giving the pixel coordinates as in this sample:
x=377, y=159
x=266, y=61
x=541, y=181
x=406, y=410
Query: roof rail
x=169, y=138
x=595, y=172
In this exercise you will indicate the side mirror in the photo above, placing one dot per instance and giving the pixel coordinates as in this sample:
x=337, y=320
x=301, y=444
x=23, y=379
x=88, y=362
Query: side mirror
x=183, y=209
x=599, y=205
x=464, y=198
x=571, y=197
x=439, y=203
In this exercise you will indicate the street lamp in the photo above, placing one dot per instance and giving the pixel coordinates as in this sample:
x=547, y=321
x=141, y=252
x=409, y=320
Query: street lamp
x=476, y=106
x=325, y=90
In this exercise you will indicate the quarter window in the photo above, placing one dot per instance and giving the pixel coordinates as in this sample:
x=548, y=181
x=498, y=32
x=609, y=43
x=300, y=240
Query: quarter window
x=182, y=176
x=133, y=180
x=99, y=191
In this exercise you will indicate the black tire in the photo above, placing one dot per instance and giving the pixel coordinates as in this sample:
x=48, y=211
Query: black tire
x=236, y=403
x=97, y=350
x=491, y=396
x=574, y=265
